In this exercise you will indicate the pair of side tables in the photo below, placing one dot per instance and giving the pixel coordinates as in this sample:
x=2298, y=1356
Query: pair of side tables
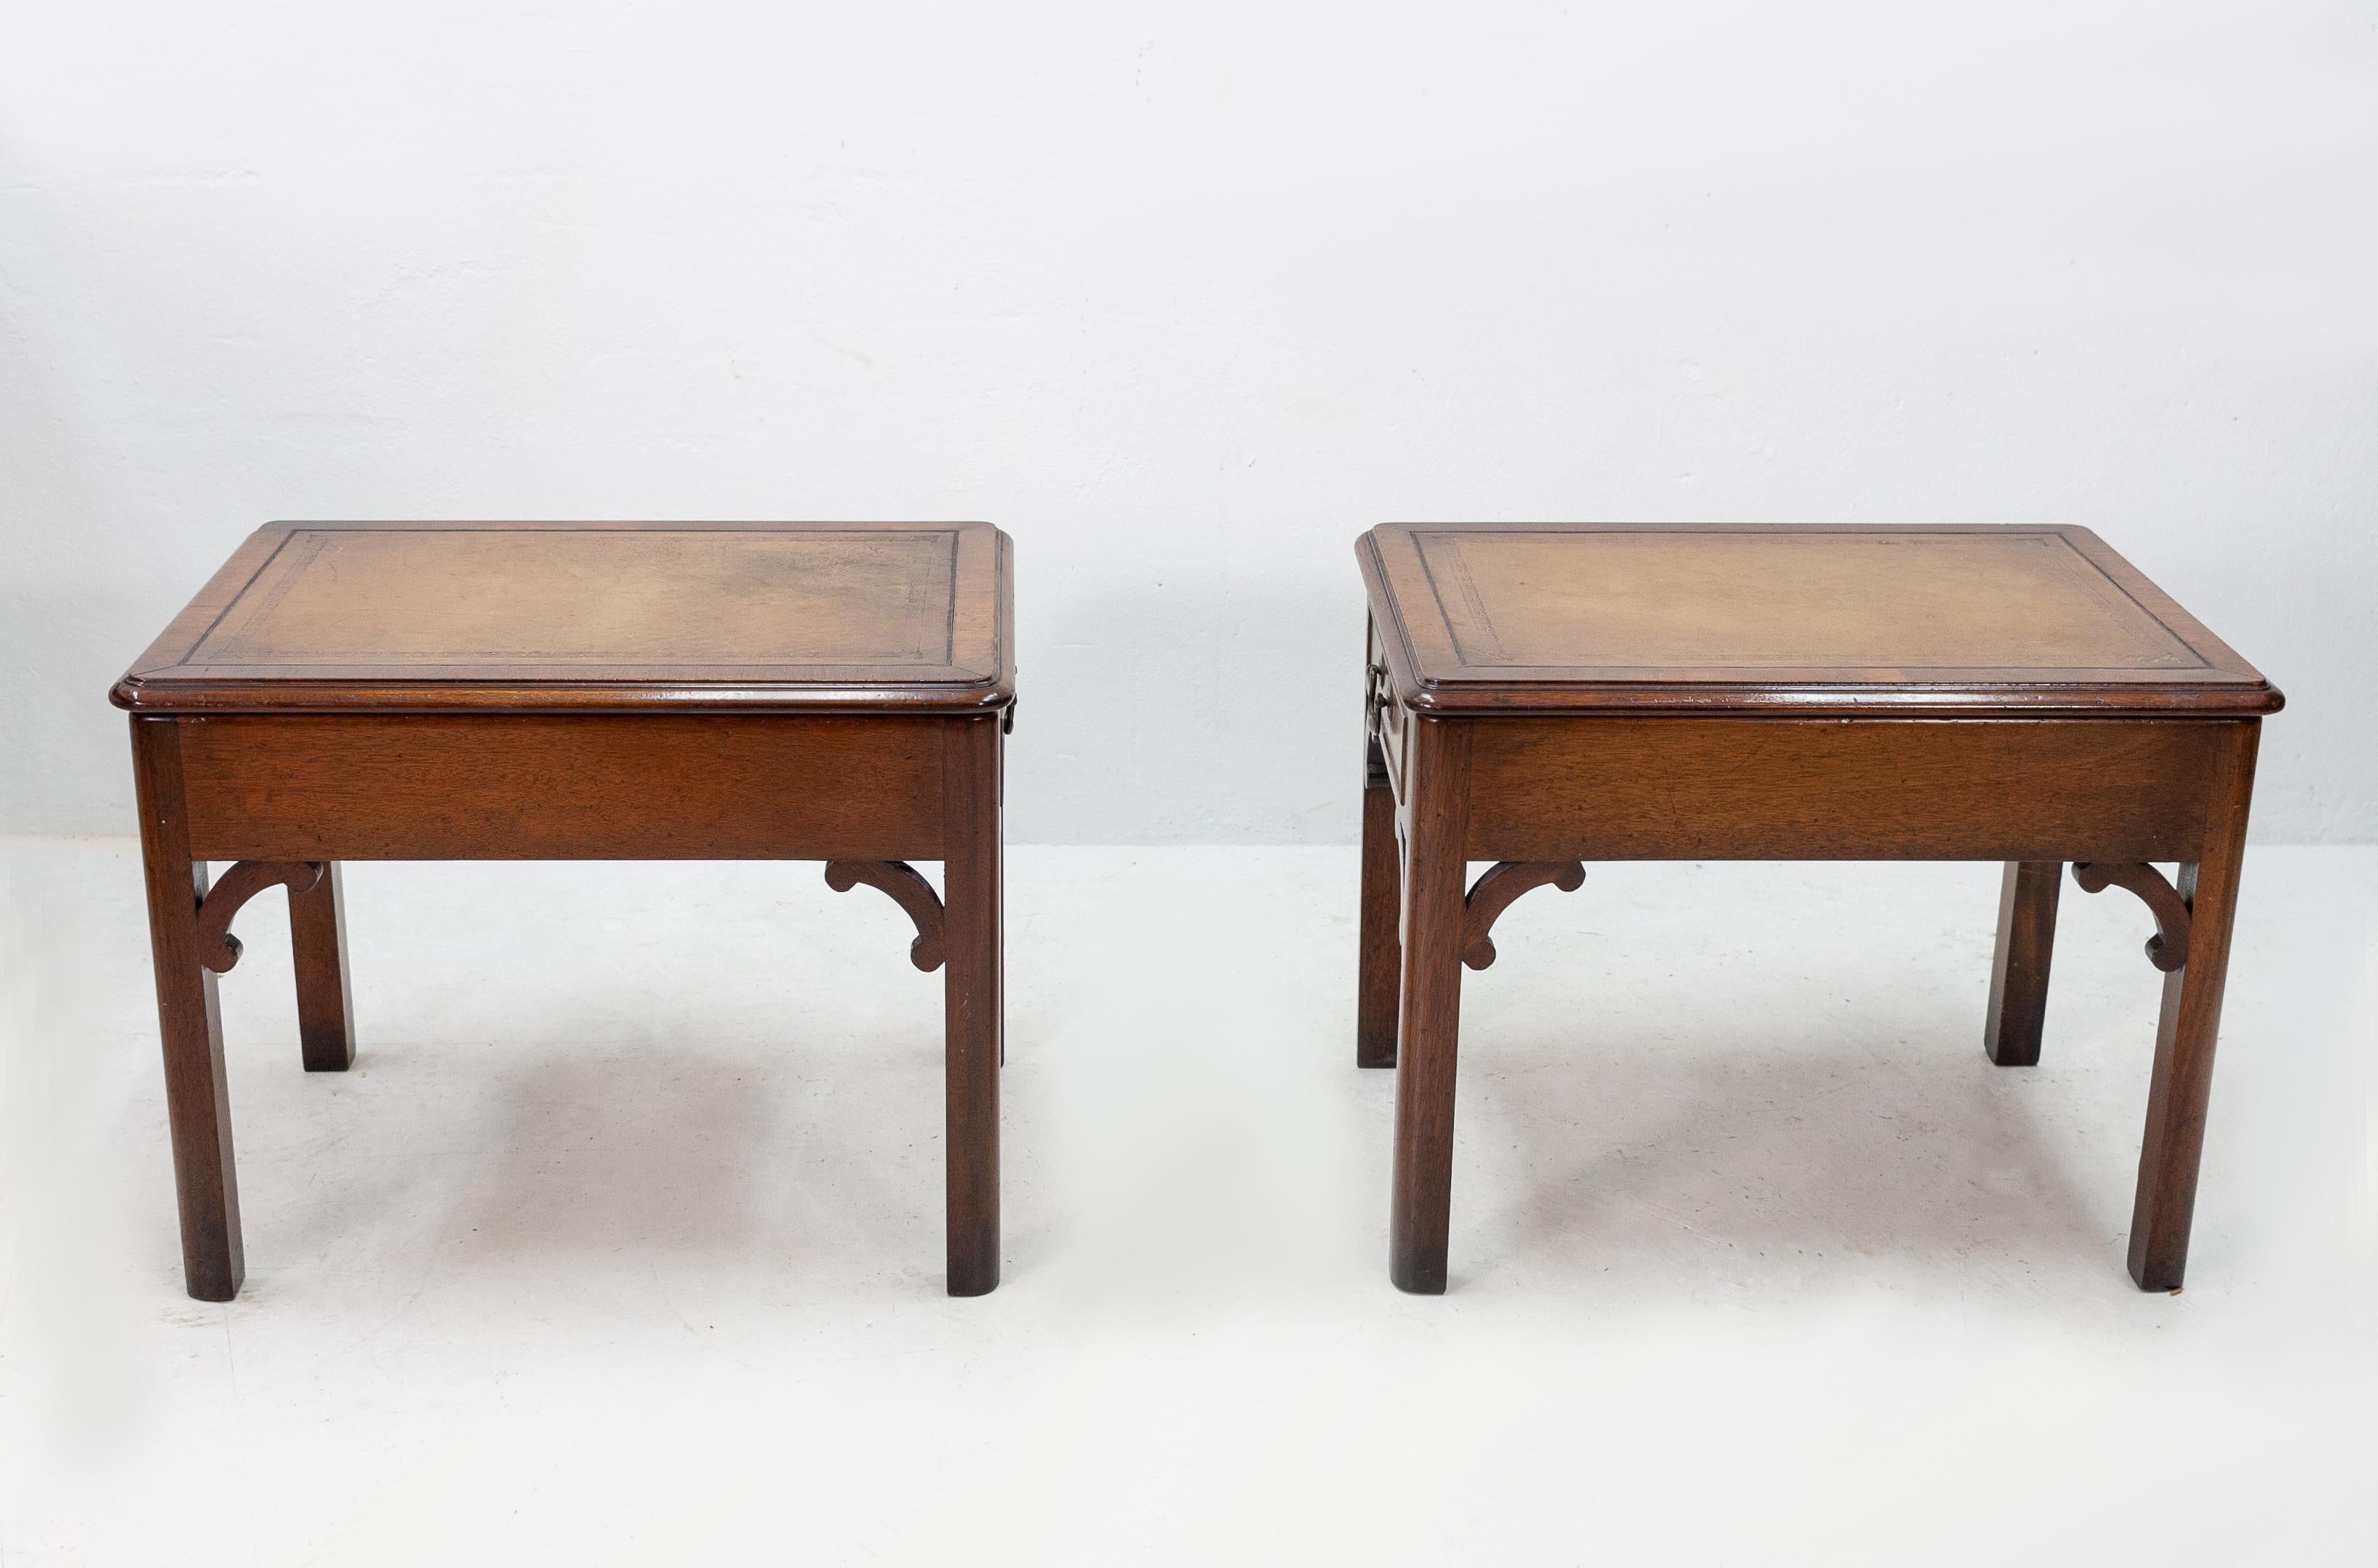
x=1536, y=697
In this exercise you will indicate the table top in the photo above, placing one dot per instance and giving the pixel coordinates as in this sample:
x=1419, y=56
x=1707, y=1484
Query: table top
x=1585, y=618
x=606, y=616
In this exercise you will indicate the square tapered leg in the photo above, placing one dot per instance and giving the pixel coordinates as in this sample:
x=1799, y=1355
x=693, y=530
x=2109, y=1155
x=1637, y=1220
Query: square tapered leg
x=2185, y=1034
x=972, y=988
x=2019, y=968
x=198, y=1099
x=1429, y=1037
x=317, y=939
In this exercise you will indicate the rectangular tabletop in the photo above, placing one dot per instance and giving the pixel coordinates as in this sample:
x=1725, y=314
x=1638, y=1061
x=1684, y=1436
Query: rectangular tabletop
x=610, y=617
x=1486, y=617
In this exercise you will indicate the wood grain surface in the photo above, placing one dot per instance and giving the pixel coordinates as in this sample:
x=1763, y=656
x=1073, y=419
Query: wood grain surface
x=1615, y=617
x=1826, y=789
x=2019, y=966
x=592, y=617
x=674, y=786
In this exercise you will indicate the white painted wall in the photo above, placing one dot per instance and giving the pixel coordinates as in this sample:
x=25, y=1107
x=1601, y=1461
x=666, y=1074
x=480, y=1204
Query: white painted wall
x=1184, y=298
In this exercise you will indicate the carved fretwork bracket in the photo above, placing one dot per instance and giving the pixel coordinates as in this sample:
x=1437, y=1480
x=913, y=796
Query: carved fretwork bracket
x=908, y=890
x=1374, y=760
x=1496, y=892
x=217, y=949
x=2167, y=949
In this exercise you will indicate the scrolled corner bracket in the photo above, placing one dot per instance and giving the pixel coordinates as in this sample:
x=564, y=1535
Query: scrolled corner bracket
x=2167, y=949
x=1497, y=890
x=908, y=890
x=217, y=949
x=1379, y=710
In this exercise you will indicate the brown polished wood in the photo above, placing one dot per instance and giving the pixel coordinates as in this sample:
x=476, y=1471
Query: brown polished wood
x=1381, y=954
x=564, y=786
x=1608, y=617
x=2018, y=1011
x=318, y=938
x=585, y=617
x=975, y=1040
x=217, y=949
x=1542, y=694
x=2167, y=949
x=1435, y=824
x=1496, y=891
x=914, y=896
x=1628, y=788
x=1382, y=961
x=2186, y=1028
x=354, y=692
x=189, y=1020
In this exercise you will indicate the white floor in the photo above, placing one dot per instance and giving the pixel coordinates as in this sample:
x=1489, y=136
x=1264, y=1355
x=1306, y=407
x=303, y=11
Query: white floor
x=621, y=1243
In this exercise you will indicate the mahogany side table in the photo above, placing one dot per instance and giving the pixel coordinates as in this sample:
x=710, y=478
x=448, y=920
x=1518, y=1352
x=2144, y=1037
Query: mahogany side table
x=1542, y=695
x=545, y=691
